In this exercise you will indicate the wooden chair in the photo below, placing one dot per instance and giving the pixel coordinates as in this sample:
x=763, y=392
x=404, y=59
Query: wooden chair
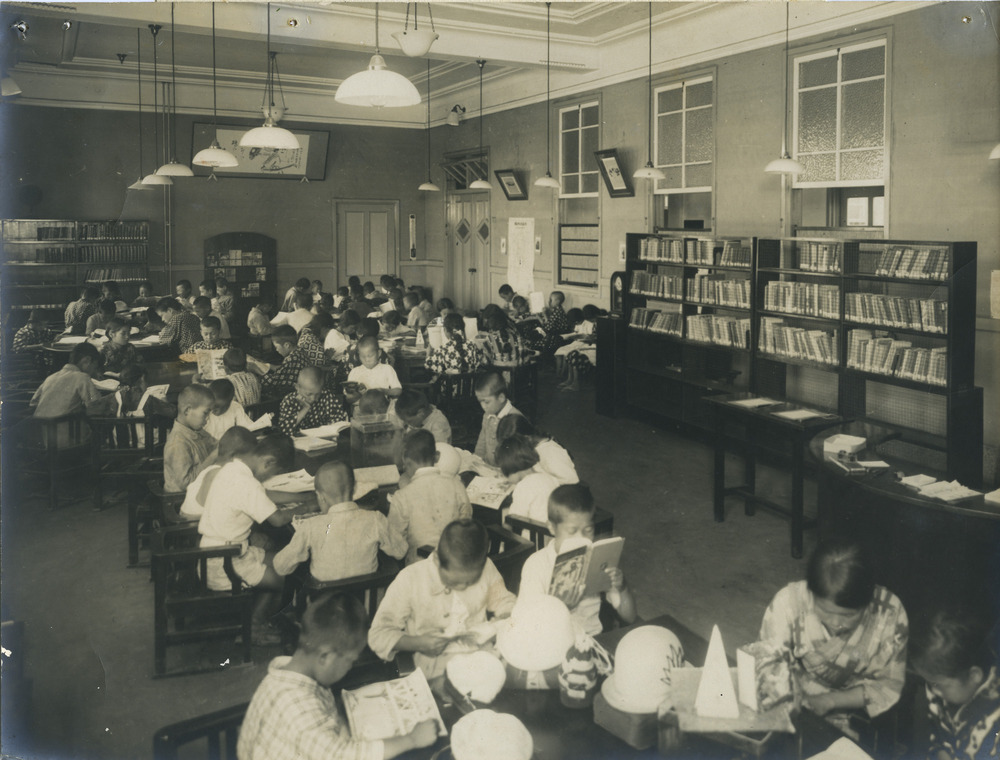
x=539, y=533
x=181, y=595
x=218, y=731
x=508, y=552
x=155, y=509
x=59, y=449
x=455, y=396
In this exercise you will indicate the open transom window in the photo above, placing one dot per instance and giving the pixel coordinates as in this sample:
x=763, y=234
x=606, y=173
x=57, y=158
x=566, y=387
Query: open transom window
x=685, y=135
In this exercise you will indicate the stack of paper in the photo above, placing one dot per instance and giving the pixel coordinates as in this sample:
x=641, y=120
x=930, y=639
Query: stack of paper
x=291, y=482
x=945, y=491
x=383, y=475
x=308, y=443
x=70, y=340
x=918, y=481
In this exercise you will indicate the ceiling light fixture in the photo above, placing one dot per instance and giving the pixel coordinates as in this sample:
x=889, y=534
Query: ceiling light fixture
x=270, y=135
x=455, y=115
x=172, y=168
x=428, y=186
x=481, y=184
x=416, y=43
x=995, y=153
x=649, y=171
x=154, y=178
x=137, y=185
x=8, y=87
x=376, y=86
x=214, y=154
x=548, y=180
x=784, y=164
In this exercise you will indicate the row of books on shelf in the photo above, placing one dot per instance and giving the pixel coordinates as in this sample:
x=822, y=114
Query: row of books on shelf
x=719, y=290
x=718, y=329
x=803, y=298
x=819, y=257
x=875, y=352
x=910, y=263
x=112, y=230
x=781, y=339
x=233, y=275
x=119, y=274
x=48, y=232
x=925, y=314
x=666, y=322
x=48, y=255
x=657, y=285
x=235, y=258
x=695, y=251
x=112, y=254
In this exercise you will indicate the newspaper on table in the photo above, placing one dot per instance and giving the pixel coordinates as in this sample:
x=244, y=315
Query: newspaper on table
x=291, y=482
x=488, y=492
x=210, y=365
x=391, y=708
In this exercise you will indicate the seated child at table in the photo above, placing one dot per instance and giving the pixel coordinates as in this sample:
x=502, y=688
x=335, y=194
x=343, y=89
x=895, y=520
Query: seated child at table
x=146, y=297
x=294, y=713
x=100, y=321
x=134, y=382
x=111, y=291
x=189, y=449
x=234, y=504
x=117, y=351
x=79, y=311
x=245, y=383
x=338, y=340
x=457, y=355
x=444, y=306
x=181, y=328
x=371, y=373
x=259, y=319
x=393, y=327
x=552, y=458
x=417, y=413
x=491, y=393
x=208, y=289
x=576, y=359
x=71, y=390
x=425, y=303
x=507, y=296
x=310, y=405
x=280, y=379
x=225, y=302
x=235, y=441
x=437, y=607
x=301, y=285
x=183, y=294
x=343, y=540
x=226, y=412
x=430, y=500
x=571, y=516
x=32, y=335
x=416, y=318
x=152, y=323
x=203, y=309
x=518, y=461
x=302, y=314
x=954, y=649
x=845, y=636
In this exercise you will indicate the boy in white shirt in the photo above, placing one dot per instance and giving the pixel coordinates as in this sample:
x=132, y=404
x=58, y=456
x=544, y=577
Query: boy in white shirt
x=235, y=441
x=370, y=373
x=226, y=412
x=517, y=460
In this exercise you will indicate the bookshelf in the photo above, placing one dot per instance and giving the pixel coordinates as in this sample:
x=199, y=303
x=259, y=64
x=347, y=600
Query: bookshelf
x=248, y=260
x=878, y=330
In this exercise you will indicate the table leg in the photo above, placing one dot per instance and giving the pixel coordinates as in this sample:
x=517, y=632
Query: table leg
x=719, y=482
x=797, y=478
x=750, y=470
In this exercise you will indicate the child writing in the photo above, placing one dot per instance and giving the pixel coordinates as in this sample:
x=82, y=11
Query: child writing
x=430, y=500
x=552, y=458
x=954, y=650
x=491, y=393
x=457, y=355
x=235, y=441
x=436, y=605
x=571, y=518
x=32, y=335
x=294, y=713
x=417, y=413
x=117, y=351
x=189, y=449
x=343, y=540
x=371, y=373
x=309, y=405
x=518, y=461
x=246, y=384
x=226, y=412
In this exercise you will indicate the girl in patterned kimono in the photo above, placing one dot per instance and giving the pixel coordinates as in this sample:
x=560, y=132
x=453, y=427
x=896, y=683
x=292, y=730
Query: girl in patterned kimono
x=457, y=354
x=845, y=637
x=504, y=344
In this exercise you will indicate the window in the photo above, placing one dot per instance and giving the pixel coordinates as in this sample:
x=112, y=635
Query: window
x=685, y=136
x=840, y=116
x=579, y=137
x=579, y=255
x=464, y=168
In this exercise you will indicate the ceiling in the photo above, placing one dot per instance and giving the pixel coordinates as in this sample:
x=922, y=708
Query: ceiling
x=320, y=44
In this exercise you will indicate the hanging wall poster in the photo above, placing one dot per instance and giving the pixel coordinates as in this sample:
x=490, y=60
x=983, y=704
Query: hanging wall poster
x=521, y=254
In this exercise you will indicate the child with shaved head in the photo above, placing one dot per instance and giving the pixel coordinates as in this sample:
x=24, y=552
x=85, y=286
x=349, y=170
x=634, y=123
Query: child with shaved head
x=310, y=405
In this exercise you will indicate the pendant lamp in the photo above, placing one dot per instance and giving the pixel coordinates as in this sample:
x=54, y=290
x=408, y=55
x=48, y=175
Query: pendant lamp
x=270, y=135
x=214, y=154
x=154, y=178
x=480, y=184
x=416, y=42
x=995, y=153
x=376, y=86
x=784, y=164
x=548, y=180
x=172, y=168
x=649, y=171
x=137, y=185
x=8, y=87
x=428, y=186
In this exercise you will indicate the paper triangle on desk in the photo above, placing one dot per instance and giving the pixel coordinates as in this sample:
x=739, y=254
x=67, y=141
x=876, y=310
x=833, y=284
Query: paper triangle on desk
x=716, y=694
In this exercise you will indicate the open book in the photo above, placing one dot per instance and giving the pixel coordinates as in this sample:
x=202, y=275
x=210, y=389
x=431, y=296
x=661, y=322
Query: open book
x=308, y=443
x=391, y=708
x=210, y=365
x=488, y=492
x=586, y=565
x=291, y=482
x=326, y=431
x=382, y=475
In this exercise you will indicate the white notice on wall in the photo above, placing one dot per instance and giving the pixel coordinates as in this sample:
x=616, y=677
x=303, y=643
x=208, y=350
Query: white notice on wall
x=521, y=254
x=995, y=294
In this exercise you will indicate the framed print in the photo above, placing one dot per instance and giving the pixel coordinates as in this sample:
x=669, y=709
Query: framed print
x=511, y=185
x=309, y=161
x=617, y=181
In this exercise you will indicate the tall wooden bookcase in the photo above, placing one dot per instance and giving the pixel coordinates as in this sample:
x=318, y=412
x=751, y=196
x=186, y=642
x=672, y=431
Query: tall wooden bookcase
x=882, y=330
x=249, y=261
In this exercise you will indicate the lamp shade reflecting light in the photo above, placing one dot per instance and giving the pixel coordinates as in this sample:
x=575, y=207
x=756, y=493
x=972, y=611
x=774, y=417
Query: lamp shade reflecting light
x=995, y=153
x=416, y=42
x=157, y=179
x=174, y=169
x=377, y=87
x=480, y=184
x=139, y=185
x=269, y=136
x=784, y=165
x=9, y=88
x=649, y=172
x=547, y=181
x=214, y=155
x=429, y=187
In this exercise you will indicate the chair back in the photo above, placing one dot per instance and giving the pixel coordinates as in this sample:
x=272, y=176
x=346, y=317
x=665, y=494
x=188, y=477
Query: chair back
x=218, y=730
x=144, y=436
x=508, y=552
x=537, y=533
x=368, y=589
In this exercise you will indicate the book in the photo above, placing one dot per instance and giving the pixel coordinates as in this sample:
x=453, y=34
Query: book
x=292, y=482
x=391, y=708
x=585, y=565
x=382, y=475
x=308, y=443
x=262, y=422
x=536, y=302
x=488, y=492
x=326, y=431
x=210, y=365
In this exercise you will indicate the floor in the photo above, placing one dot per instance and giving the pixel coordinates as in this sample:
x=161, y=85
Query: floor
x=88, y=618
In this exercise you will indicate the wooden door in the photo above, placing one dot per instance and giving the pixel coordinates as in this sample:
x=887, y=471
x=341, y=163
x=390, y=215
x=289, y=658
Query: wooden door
x=469, y=237
x=367, y=239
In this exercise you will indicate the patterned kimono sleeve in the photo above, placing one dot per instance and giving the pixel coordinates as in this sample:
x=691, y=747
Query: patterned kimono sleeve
x=883, y=678
x=435, y=361
x=780, y=619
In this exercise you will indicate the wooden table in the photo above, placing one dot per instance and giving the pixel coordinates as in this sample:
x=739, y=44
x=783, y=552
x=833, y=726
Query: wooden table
x=756, y=423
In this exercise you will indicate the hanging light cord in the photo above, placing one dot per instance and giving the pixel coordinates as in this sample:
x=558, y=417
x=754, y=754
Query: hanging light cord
x=153, y=29
x=138, y=76
x=548, y=89
x=784, y=81
x=173, y=87
x=377, y=50
x=428, y=119
x=215, y=94
x=268, y=81
x=481, y=63
x=649, y=99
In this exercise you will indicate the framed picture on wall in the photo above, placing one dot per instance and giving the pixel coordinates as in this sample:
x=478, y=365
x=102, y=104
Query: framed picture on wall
x=511, y=185
x=308, y=161
x=616, y=180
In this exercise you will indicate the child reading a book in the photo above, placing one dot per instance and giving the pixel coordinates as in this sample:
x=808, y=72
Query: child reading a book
x=338, y=340
x=131, y=395
x=310, y=405
x=32, y=335
x=371, y=373
x=552, y=458
x=183, y=293
x=417, y=413
x=420, y=510
x=343, y=540
x=189, y=449
x=211, y=337
x=457, y=355
x=202, y=306
x=437, y=607
x=181, y=328
x=517, y=459
x=79, y=311
x=226, y=411
x=225, y=302
x=294, y=714
x=393, y=327
x=491, y=393
x=571, y=520
x=235, y=441
x=100, y=320
x=246, y=384
x=117, y=351
x=953, y=649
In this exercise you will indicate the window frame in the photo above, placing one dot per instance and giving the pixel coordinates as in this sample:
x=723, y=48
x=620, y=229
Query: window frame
x=683, y=83
x=578, y=107
x=839, y=50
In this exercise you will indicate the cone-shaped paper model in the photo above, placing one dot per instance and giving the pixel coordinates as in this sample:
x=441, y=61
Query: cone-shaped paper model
x=716, y=693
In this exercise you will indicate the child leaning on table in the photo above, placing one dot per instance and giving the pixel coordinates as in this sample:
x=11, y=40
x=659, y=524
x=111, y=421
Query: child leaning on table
x=189, y=449
x=571, y=516
x=552, y=458
x=954, y=649
x=417, y=413
x=226, y=411
x=293, y=713
x=310, y=405
x=434, y=607
x=343, y=540
x=33, y=334
x=235, y=441
x=518, y=461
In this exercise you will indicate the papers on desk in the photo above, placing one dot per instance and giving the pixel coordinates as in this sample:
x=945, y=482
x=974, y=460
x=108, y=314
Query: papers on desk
x=918, y=481
x=149, y=340
x=391, y=708
x=874, y=464
x=754, y=403
x=800, y=414
x=262, y=423
x=70, y=340
x=291, y=482
x=386, y=307
x=308, y=443
x=383, y=475
x=101, y=332
x=326, y=431
x=488, y=492
x=953, y=491
x=108, y=384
